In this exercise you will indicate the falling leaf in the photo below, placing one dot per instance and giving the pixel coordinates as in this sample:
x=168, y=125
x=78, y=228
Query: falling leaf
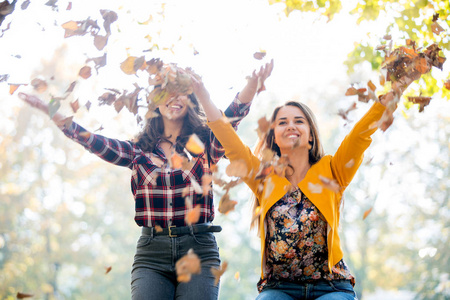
x=13, y=88
x=206, y=183
x=387, y=37
x=344, y=113
x=187, y=265
x=23, y=295
x=447, y=84
x=108, y=269
x=237, y=276
x=436, y=28
x=195, y=145
x=264, y=171
x=259, y=55
x=193, y=215
x=371, y=85
x=256, y=213
x=315, y=188
x=39, y=85
x=85, y=72
x=237, y=168
x=53, y=107
x=100, y=41
x=130, y=65
x=382, y=79
x=226, y=204
x=330, y=184
x=25, y=4
x=218, y=272
x=422, y=101
x=367, y=212
x=263, y=127
x=176, y=160
x=69, y=6
x=350, y=163
x=158, y=228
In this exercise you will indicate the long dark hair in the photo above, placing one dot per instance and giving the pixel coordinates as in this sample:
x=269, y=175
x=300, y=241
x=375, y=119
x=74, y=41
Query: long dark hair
x=315, y=153
x=194, y=122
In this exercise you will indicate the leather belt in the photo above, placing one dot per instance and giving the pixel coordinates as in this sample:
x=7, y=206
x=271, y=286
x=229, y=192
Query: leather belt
x=174, y=231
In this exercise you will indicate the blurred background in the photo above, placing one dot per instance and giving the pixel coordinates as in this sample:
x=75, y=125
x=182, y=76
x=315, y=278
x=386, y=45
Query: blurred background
x=66, y=217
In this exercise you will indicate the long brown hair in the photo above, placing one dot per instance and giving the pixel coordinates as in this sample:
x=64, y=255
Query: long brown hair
x=194, y=122
x=315, y=153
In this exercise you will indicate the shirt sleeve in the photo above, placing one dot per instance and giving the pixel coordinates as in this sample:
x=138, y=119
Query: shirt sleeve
x=235, y=112
x=114, y=151
x=350, y=153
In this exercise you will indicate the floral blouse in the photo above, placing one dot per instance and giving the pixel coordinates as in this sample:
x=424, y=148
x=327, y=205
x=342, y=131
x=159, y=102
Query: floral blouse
x=296, y=246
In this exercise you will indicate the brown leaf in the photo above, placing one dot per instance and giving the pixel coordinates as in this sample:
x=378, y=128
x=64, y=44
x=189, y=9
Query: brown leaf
x=85, y=72
x=69, y=6
x=263, y=127
x=158, y=228
x=100, y=41
x=422, y=101
x=130, y=65
x=371, y=85
x=23, y=295
x=218, y=272
x=187, y=265
x=344, y=113
x=259, y=55
x=75, y=105
x=447, y=84
x=436, y=28
x=226, y=204
x=367, y=212
x=108, y=269
x=39, y=85
x=350, y=163
x=237, y=168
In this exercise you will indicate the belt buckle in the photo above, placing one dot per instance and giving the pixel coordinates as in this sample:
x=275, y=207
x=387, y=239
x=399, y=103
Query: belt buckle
x=170, y=231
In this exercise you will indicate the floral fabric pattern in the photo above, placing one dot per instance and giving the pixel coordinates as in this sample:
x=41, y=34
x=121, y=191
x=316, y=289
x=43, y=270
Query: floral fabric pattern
x=296, y=243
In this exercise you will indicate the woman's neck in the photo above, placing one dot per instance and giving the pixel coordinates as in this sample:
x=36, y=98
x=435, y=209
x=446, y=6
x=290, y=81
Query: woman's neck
x=172, y=129
x=299, y=160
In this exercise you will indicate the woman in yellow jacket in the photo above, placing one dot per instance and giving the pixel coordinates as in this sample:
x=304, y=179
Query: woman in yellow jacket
x=299, y=205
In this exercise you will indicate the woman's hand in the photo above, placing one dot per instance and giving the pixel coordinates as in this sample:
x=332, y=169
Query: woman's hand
x=36, y=102
x=255, y=83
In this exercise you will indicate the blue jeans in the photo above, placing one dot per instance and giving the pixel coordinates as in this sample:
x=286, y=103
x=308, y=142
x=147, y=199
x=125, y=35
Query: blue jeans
x=322, y=290
x=153, y=275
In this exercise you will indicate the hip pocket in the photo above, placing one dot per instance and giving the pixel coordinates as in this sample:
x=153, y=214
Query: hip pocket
x=144, y=240
x=342, y=286
x=205, y=239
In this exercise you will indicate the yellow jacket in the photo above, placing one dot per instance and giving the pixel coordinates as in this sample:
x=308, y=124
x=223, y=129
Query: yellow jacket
x=340, y=167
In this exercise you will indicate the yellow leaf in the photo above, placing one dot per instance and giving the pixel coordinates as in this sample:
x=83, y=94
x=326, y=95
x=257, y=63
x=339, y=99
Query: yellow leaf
x=367, y=212
x=195, y=145
x=218, y=272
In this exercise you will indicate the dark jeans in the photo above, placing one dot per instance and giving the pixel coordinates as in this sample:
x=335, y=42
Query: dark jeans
x=153, y=275
x=322, y=290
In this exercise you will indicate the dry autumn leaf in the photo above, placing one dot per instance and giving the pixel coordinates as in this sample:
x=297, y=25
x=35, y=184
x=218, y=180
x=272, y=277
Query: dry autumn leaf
x=187, y=265
x=315, y=188
x=39, y=85
x=263, y=127
x=85, y=72
x=422, y=101
x=108, y=269
x=206, y=183
x=367, y=212
x=218, y=272
x=330, y=184
x=23, y=295
x=195, y=145
x=447, y=84
x=193, y=214
x=259, y=55
x=344, y=113
x=130, y=65
x=226, y=204
x=237, y=168
x=13, y=88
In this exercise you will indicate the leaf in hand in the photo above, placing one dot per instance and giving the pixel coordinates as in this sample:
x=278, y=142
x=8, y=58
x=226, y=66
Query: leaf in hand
x=218, y=272
x=187, y=265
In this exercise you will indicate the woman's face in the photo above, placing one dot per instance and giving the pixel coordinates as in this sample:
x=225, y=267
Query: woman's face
x=291, y=129
x=175, y=108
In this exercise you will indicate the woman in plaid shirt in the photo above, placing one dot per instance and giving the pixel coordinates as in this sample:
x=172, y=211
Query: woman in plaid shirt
x=160, y=190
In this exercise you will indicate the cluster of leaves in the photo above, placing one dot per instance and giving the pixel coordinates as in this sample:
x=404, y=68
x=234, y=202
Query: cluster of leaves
x=401, y=66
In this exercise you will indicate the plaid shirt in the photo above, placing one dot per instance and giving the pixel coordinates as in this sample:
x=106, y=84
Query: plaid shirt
x=158, y=190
